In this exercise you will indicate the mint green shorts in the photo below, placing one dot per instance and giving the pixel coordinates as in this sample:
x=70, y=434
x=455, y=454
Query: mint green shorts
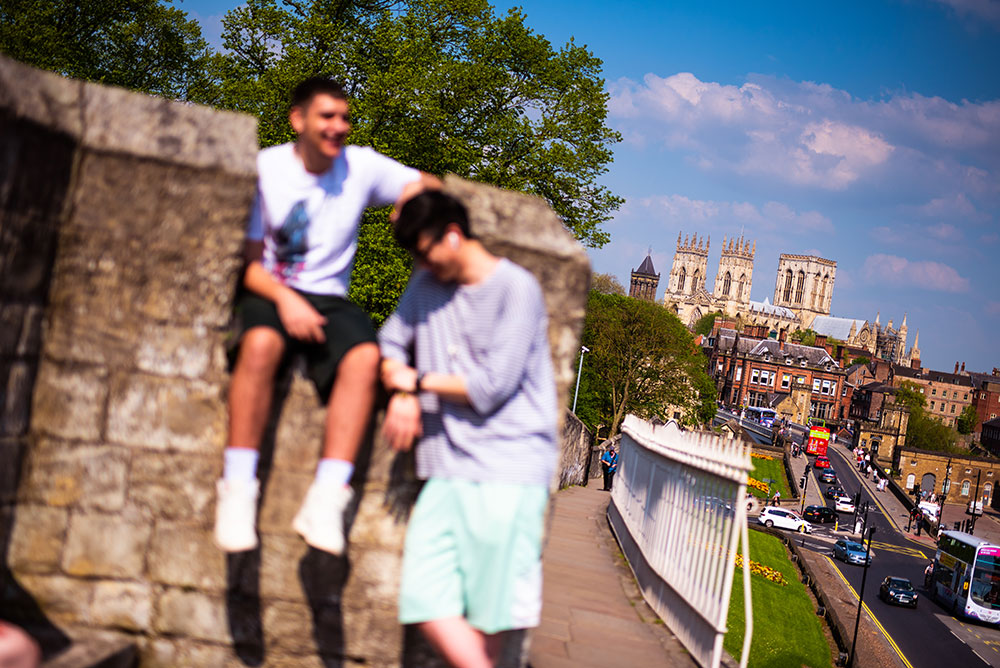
x=474, y=550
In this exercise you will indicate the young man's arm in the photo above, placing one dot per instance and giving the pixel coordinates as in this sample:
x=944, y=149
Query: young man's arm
x=299, y=318
x=412, y=189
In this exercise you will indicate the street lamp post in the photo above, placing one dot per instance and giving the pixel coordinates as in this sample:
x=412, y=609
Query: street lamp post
x=576, y=393
x=861, y=594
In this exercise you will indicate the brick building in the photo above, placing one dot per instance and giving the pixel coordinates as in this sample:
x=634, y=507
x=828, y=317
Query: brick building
x=985, y=398
x=953, y=476
x=990, y=436
x=947, y=394
x=755, y=371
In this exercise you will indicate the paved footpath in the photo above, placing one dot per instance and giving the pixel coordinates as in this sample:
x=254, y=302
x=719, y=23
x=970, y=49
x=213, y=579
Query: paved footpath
x=592, y=612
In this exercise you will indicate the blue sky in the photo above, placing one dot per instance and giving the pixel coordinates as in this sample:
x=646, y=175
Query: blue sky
x=865, y=132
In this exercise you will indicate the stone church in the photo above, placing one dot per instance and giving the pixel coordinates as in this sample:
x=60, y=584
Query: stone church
x=803, y=291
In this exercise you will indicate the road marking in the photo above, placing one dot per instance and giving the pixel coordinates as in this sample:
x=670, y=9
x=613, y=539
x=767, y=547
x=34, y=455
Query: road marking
x=892, y=643
x=980, y=657
x=901, y=549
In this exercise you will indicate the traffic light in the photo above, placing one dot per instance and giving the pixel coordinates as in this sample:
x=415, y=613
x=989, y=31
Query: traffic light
x=857, y=499
x=802, y=482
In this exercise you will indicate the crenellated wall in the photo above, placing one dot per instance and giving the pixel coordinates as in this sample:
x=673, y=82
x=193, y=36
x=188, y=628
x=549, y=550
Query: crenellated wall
x=121, y=224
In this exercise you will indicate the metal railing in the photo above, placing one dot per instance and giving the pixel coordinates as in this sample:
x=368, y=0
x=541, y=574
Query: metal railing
x=678, y=509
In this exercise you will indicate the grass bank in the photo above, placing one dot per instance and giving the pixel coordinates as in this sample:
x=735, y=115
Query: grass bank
x=786, y=630
x=773, y=469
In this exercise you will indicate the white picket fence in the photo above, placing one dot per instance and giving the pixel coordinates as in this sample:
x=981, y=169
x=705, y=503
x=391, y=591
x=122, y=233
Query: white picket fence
x=678, y=509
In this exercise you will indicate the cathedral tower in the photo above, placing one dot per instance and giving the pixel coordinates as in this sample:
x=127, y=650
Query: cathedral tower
x=687, y=274
x=644, y=281
x=732, y=282
x=805, y=285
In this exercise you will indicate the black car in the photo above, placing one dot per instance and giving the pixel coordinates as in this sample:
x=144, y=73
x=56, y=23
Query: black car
x=834, y=492
x=828, y=476
x=897, y=590
x=820, y=514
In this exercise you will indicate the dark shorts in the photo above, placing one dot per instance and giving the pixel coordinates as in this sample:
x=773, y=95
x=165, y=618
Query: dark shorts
x=346, y=326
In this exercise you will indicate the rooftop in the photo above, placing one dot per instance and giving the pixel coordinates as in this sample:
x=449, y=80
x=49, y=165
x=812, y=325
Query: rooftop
x=838, y=328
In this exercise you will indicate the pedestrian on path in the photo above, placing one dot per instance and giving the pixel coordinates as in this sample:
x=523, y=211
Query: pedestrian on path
x=776, y=499
x=609, y=463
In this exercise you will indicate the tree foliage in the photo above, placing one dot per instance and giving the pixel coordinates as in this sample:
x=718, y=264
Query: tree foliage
x=642, y=360
x=606, y=284
x=967, y=421
x=806, y=337
x=706, y=323
x=145, y=45
x=924, y=431
x=860, y=359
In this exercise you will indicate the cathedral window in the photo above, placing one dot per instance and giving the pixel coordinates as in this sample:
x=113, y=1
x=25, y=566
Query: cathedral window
x=681, y=280
x=798, y=287
x=788, y=285
x=695, y=280
x=726, y=284
x=739, y=286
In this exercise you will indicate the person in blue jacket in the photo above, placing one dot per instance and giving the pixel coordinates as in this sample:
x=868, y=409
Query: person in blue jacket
x=609, y=462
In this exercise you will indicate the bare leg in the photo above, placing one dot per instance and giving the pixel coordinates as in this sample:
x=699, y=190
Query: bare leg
x=252, y=387
x=351, y=402
x=458, y=642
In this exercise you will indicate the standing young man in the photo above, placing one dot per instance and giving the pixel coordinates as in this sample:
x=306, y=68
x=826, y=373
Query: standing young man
x=466, y=355
x=301, y=240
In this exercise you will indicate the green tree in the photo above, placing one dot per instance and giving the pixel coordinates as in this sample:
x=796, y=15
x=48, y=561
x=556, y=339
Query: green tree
x=705, y=323
x=860, y=359
x=606, y=284
x=924, y=431
x=443, y=85
x=967, y=421
x=642, y=360
x=145, y=45
x=806, y=337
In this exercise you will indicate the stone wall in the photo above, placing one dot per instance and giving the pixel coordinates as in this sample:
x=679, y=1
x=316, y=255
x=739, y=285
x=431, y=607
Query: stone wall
x=122, y=223
x=575, y=452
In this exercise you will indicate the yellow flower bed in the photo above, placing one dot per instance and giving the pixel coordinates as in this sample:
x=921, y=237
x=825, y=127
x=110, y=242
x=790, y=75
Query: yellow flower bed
x=767, y=457
x=757, y=568
x=757, y=484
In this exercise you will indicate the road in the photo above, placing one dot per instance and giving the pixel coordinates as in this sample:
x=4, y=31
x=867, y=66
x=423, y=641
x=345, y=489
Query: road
x=928, y=635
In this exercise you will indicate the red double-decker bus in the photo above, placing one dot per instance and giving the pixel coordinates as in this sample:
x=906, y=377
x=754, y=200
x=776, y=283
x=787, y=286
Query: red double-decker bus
x=819, y=438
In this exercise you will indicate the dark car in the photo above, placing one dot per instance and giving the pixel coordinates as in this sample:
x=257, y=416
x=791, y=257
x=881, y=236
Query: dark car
x=829, y=476
x=898, y=590
x=834, y=492
x=820, y=514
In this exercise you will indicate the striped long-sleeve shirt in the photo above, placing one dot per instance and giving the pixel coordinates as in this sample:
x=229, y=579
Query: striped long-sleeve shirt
x=495, y=335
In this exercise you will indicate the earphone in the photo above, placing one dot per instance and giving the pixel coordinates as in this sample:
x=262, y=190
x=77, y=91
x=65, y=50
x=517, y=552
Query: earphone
x=453, y=240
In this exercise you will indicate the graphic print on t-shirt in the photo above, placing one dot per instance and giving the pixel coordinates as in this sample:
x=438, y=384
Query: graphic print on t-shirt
x=291, y=241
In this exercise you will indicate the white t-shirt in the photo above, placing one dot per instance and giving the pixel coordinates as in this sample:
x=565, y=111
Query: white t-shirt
x=309, y=222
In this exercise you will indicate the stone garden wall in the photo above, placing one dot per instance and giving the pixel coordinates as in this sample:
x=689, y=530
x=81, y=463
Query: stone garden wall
x=121, y=224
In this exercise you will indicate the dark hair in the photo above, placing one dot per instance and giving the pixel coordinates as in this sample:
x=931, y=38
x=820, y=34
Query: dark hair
x=303, y=94
x=430, y=212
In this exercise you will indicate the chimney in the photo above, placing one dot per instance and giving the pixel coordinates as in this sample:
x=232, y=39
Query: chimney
x=956, y=367
x=963, y=367
x=996, y=371
x=915, y=363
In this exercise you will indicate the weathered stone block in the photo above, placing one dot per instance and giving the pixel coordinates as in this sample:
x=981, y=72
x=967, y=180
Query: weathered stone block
x=185, y=556
x=289, y=627
x=64, y=600
x=45, y=98
x=106, y=545
x=192, y=614
x=176, y=351
x=69, y=403
x=37, y=539
x=122, y=605
x=299, y=434
x=374, y=633
x=164, y=653
x=61, y=474
x=374, y=577
x=377, y=523
x=174, y=486
x=145, y=411
x=11, y=453
x=283, y=496
x=280, y=557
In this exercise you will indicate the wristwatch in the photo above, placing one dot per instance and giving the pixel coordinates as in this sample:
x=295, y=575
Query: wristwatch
x=420, y=381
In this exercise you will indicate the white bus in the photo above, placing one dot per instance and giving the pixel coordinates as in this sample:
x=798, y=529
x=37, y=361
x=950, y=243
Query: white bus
x=764, y=416
x=966, y=576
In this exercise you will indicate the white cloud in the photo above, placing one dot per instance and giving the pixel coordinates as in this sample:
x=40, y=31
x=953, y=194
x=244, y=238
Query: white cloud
x=945, y=232
x=812, y=134
x=899, y=271
x=993, y=308
x=674, y=209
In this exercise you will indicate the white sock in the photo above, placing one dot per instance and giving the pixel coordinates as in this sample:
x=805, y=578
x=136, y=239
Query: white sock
x=240, y=464
x=334, y=471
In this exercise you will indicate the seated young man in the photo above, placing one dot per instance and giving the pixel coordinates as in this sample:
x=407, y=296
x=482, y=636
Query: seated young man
x=466, y=355
x=301, y=241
